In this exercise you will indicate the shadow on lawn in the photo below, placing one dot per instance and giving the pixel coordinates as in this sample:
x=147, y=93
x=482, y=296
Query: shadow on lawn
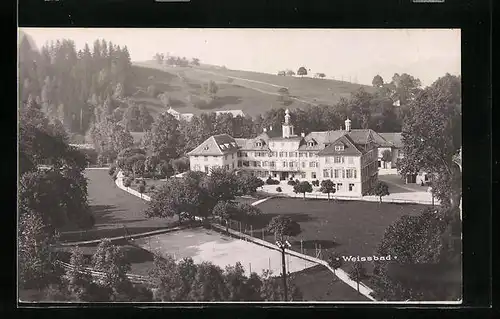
x=317, y=243
x=261, y=221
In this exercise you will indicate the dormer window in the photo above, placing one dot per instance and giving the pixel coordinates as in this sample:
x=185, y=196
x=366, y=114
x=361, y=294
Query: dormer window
x=205, y=148
x=259, y=144
x=310, y=144
x=339, y=147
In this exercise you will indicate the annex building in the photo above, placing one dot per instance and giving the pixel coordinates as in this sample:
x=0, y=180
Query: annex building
x=349, y=157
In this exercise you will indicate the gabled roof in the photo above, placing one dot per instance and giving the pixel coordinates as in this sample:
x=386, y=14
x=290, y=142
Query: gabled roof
x=395, y=139
x=250, y=144
x=321, y=139
x=350, y=147
x=216, y=145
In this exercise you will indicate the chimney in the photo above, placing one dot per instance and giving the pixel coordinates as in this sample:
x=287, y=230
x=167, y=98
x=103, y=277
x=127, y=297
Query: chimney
x=270, y=127
x=265, y=130
x=348, y=125
x=303, y=134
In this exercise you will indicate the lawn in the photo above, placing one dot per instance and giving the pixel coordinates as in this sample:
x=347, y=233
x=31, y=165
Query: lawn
x=116, y=212
x=350, y=227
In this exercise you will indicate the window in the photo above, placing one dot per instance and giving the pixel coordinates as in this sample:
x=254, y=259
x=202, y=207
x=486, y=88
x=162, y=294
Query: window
x=311, y=154
x=339, y=147
x=206, y=169
x=313, y=175
x=326, y=173
x=310, y=144
x=350, y=160
x=265, y=164
x=354, y=170
x=304, y=165
x=350, y=173
x=272, y=164
x=284, y=164
x=225, y=157
x=311, y=164
x=197, y=167
x=351, y=187
x=227, y=166
x=343, y=173
x=337, y=173
x=292, y=154
x=206, y=158
x=290, y=164
x=233, y=165
x=254, y=163
x=246, y=163
x=338, y=159
x=259, y=144
x=206, y=148
x=301, y=155
x=239, y=164
x=259, y=164
x=302, y=175
x=339, y=187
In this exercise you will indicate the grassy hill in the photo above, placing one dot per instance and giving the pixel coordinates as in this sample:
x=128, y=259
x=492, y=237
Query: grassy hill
x=254, y=93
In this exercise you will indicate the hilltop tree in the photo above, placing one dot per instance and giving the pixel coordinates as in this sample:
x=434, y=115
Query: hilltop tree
x=406, y=88
x=290, y=73
x=327, y=187
x=281, y=73
x=195, y=61
x=302, y=71
x=377, y=81
x=303, y=187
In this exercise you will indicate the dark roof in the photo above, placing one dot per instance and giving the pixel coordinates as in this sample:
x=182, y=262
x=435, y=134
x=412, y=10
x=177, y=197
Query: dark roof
x=350, y=147
x=320, y=139
x=395, y=139
x=216, y=145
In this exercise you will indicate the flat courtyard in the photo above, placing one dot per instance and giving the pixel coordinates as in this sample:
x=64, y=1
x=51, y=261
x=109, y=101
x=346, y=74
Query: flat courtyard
x=202, y=244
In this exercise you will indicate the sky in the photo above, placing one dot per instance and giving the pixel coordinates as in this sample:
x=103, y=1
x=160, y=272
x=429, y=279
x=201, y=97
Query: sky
x=339, y=53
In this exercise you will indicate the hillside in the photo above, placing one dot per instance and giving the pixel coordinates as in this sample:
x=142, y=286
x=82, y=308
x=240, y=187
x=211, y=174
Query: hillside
x=254, y=93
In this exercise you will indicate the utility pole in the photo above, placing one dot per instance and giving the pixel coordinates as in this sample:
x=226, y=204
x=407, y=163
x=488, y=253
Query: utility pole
x=283, y=245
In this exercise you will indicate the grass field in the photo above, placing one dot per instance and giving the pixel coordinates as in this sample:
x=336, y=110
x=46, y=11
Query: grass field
x=254, y=93
x=116, y=212
x=350, y=227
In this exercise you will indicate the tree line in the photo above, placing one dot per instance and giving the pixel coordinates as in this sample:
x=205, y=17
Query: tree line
x=67, y=83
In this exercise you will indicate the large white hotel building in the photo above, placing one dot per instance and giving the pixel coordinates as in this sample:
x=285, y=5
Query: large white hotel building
x=348, y=157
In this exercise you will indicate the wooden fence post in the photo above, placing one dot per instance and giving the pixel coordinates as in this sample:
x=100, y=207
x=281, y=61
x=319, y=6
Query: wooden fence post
x=251, y=230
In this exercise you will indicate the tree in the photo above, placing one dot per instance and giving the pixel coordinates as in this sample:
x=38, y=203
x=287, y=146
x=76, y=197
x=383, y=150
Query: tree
x=284, y=96
x=165, y=99
x=211, y=89
x=386, y=156
x=380, y=189
x=225, y=210
x=195, y=61
x=290, y=73
x=321, y=75
x=111, y=260
x=221, y=184
x=180, y=165
x=281, y=73
x=432, y=136
x=357, y=272
x=36, y=260
x=248, y=184
x=303, y=187
x=208, y=284
x=163, y=139
x=283, y=227
x=377, y=82
x=302, y=71
x=79, y=281
x=327, y=186
x=335, y=261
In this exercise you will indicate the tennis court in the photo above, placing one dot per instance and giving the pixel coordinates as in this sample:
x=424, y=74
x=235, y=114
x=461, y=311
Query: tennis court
x=207, y=245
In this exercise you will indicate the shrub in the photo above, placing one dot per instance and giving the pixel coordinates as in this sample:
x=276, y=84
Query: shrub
x=142, y=188
x=152, y=188
x=278, y=189
x=315, y=183
x=127, y=182
x=297, y=181
x=292, y=182
x=112, y=170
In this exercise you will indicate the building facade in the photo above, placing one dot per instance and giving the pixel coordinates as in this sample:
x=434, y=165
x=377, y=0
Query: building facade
x=347, y=157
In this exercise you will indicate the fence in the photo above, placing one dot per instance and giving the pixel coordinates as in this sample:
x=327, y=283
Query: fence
x=137, y=279
x=247, y=232
x=364, y=198
x=317, y=256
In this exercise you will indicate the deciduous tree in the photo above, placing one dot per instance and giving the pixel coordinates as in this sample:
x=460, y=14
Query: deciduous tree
x=328, y=187
x=303, y=187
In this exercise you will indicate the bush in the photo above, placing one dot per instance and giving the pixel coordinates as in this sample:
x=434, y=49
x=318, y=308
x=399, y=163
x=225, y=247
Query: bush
x=292, y=182
x=271, y=181
x=278, y=189
x=127, y=182
x=142, y=188
x=112, y=170
x=315, y=183
x=152, y=188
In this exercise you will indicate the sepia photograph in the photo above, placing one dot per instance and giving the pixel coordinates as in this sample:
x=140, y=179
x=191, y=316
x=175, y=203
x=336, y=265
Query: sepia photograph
x=161, y=165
